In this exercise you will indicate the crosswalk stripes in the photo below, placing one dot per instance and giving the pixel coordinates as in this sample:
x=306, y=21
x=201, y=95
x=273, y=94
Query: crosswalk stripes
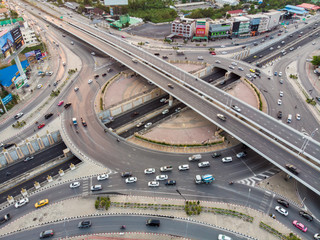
x=265, y=202
x=85, y=186
x=251, y=181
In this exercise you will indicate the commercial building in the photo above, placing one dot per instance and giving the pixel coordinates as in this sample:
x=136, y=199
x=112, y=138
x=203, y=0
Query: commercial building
x=29, y=35
x=309, y=7
x=295, y=10
x=274, y=18
x=218, y=30
x=183, y=27
x=241, y=27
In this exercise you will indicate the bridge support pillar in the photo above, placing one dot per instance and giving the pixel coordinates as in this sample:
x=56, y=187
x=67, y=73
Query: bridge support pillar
x=170, y=101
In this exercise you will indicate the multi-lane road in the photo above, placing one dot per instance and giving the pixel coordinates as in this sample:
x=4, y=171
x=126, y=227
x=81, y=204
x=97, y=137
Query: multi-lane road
x=123, y=156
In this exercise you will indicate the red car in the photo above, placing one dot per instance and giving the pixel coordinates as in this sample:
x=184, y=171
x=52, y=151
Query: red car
x=41, y=125
x=213, y=53
x=60, y=103
x=302, y=227
x=279, y=34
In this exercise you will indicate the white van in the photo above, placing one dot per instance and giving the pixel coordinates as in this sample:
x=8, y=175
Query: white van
x=195, y=157
x=289, y=119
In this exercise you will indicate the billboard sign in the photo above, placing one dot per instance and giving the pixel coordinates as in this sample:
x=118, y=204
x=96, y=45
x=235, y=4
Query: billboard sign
x=11, y=42
x=115, y=2
x=7, y=99
x=38, y=54
x=19, y=82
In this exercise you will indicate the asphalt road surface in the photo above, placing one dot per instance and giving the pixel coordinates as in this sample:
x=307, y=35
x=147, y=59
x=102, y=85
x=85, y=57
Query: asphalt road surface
x=174, y=227
x=42, y=157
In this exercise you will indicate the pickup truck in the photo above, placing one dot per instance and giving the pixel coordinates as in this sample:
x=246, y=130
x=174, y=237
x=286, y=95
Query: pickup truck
x=74, y=120
x=166, y=168
x=207, y=178
x=4, y=218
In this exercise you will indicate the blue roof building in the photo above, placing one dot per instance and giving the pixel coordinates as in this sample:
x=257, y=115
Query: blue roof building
x=294, y=9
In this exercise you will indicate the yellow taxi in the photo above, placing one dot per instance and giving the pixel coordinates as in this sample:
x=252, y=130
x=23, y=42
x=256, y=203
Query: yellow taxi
x=41, y=203
x=252, y=70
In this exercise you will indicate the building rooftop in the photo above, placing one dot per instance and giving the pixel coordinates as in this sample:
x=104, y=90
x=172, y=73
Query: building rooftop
x=309, y=6
x=235, y=11
x=241, y=19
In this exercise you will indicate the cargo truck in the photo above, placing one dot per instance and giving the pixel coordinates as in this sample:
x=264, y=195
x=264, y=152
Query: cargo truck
x=207, y=178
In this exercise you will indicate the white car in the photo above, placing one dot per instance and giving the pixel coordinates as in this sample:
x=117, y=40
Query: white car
x=224, y=237
x=93, y=53
x=72, y=42
x=149, y=171
x=281, y=210
x=240, y=68
x=89, y=81
x=153, y=184
x=280, y=74
x=222, y=46
x=234, y=63
x=236, y=108
x=241, y=154
x=161, y=177
x=183, y=167
x=200, y=58
x=21, y=202
x=226, y=159
x=298, y=117
x=165, y=111
x=217, y=61
x=76, y=89
x=19, y=115
x=39, y=86
x=317, y=236
x=279, y=101
x=204, y=164
x=131, y=180
x=231, y=67
x=271, y=48
x=163, y=99
x=224, y=52
x=281, y=94
x=75, y=185
x=102, y=177
x=148, y=125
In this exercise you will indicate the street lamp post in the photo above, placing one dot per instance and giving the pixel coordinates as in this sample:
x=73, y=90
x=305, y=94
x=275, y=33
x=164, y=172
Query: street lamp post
x=181, y=194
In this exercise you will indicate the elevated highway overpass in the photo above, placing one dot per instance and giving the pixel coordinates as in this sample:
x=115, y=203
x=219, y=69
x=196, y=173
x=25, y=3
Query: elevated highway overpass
x=271, y=139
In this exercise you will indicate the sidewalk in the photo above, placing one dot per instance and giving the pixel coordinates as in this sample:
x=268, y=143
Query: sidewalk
x=73, y=61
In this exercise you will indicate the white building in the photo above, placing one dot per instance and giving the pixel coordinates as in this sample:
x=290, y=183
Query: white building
x=183, y=27
x=264, y=22
x=29, y=35
x=229, y=2
x=274, y=18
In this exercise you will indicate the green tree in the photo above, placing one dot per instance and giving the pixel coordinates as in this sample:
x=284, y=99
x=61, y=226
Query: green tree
x=316, y=61
x=13, y=14
x=292, y=237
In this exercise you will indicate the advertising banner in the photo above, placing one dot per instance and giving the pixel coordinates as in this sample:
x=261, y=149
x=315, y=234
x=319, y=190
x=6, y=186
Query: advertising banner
x=19, y=82
x=10, y=42
x=38, y=54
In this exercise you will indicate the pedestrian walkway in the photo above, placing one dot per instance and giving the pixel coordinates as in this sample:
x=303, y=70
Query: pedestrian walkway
x=252, y=181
